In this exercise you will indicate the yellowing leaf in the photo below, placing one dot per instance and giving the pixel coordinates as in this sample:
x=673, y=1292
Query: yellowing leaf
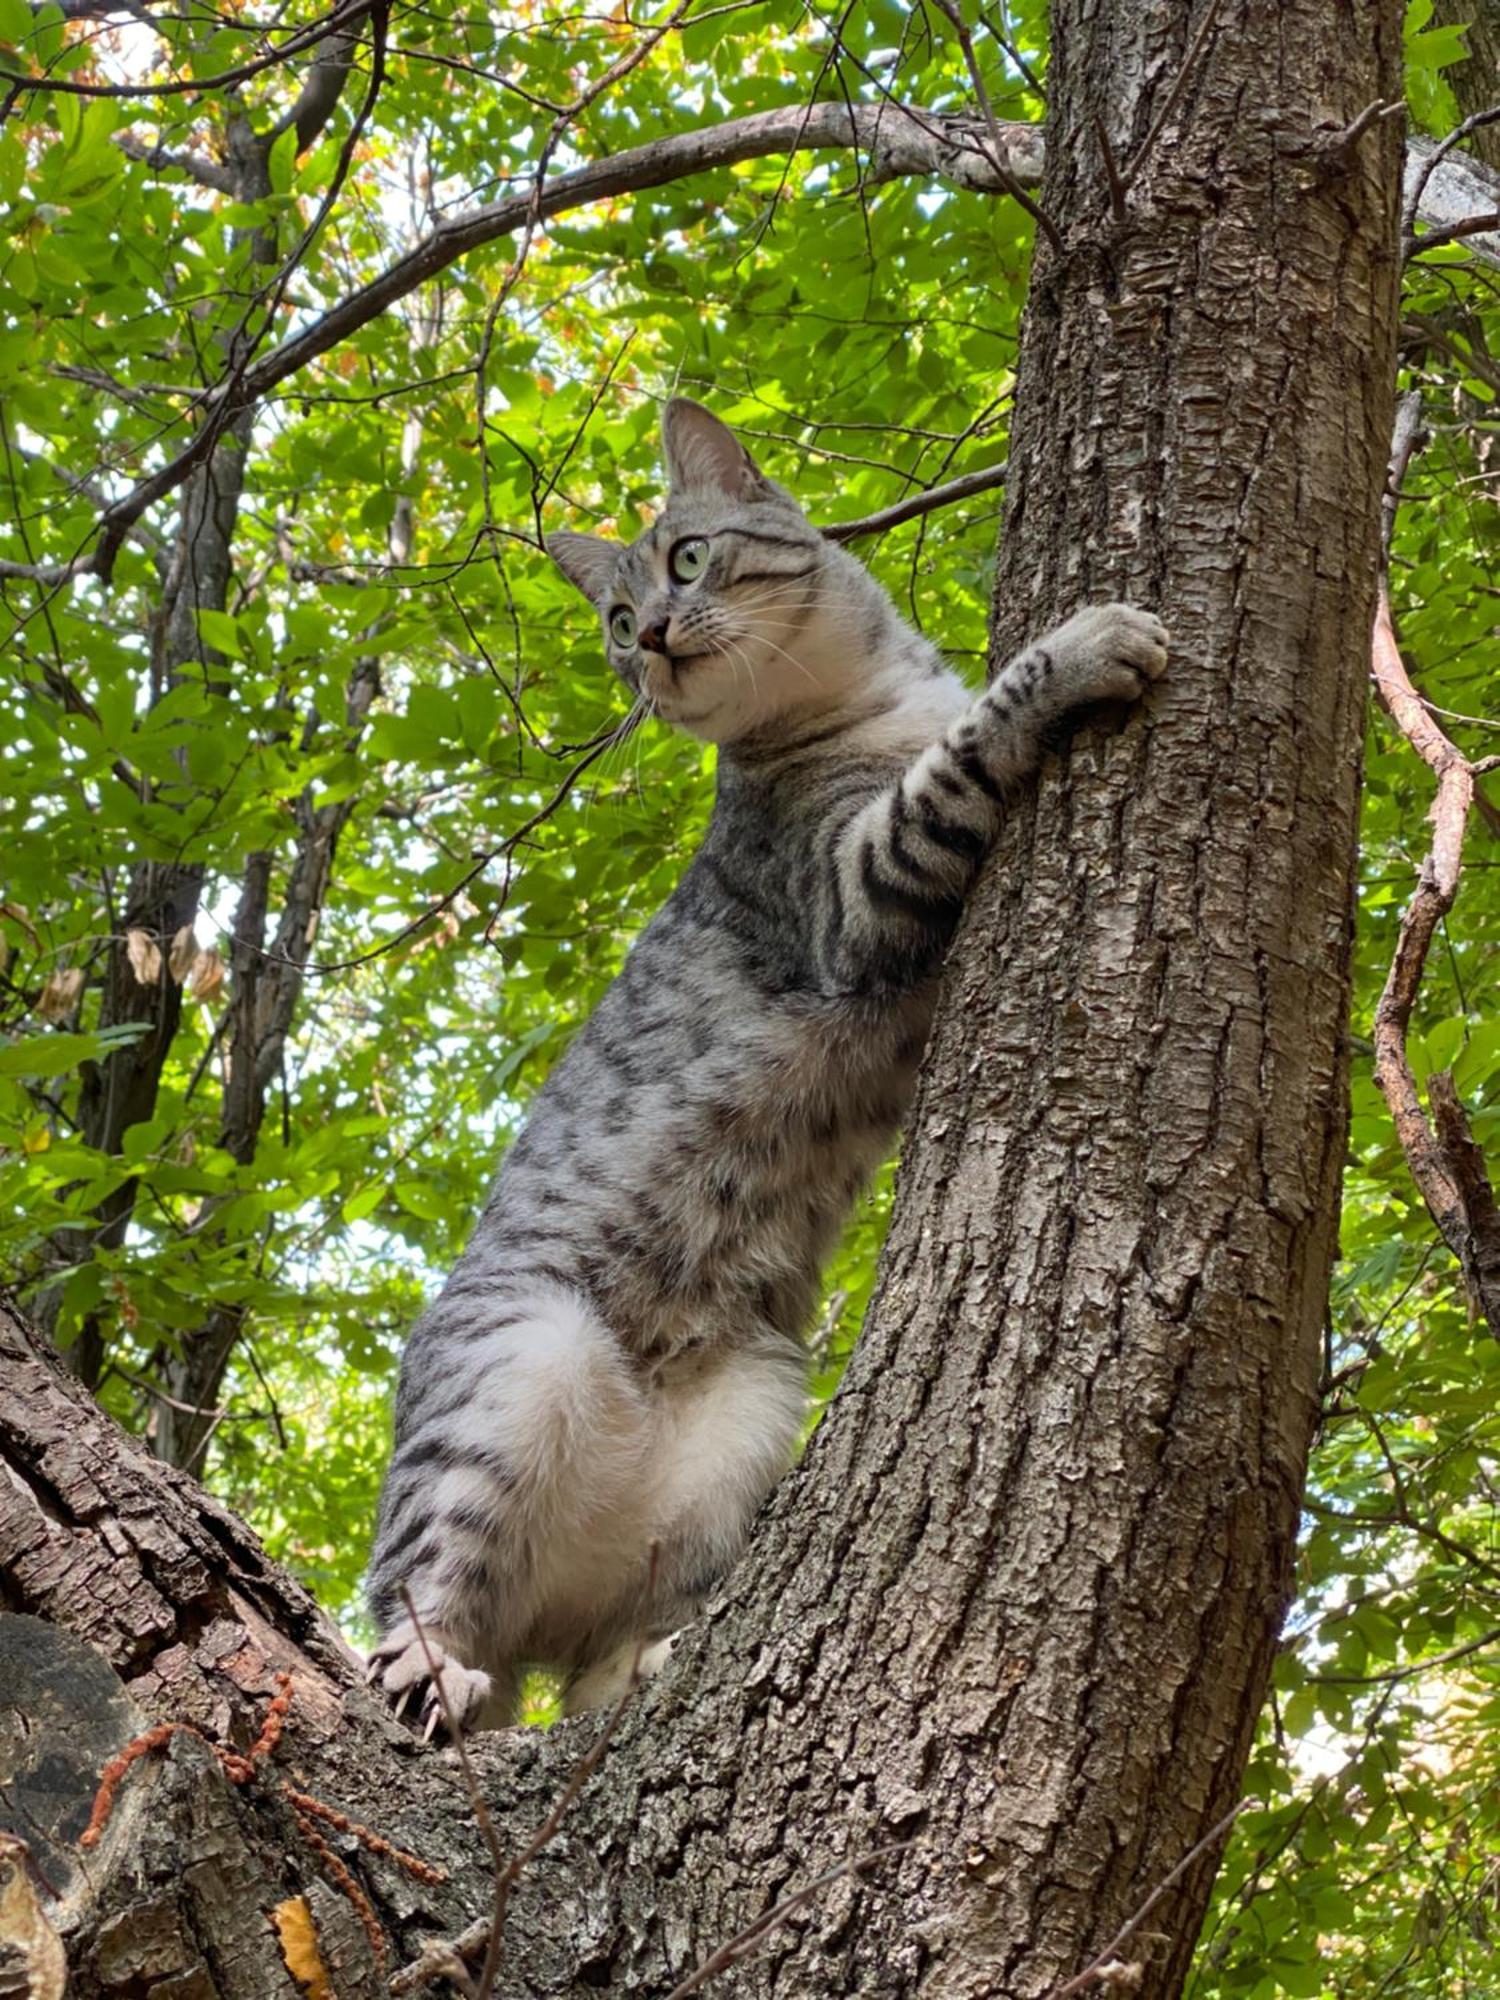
x=299, y=1947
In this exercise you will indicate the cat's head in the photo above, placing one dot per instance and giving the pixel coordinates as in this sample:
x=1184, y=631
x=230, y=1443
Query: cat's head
x=731, y=612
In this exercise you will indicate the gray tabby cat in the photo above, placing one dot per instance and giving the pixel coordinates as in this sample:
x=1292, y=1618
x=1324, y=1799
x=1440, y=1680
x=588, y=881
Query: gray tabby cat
x=616, y=1365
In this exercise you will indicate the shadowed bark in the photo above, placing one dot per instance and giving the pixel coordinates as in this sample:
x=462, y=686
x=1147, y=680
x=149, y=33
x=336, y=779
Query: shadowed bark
x=1017, y=1606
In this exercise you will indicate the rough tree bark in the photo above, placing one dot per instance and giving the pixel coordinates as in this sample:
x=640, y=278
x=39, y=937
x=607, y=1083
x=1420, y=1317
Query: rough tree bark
x=1017, y=1605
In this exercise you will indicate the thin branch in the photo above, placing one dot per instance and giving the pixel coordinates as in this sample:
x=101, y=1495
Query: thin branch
x=1441, y=186
x=189, y=1409
x=1454, y=232
x=963, y=488
x=1434, y=160
x=1447, y=1659
x=1000, y=152
x=744, y=1942
x=1174, y=95
x=1003, y=36
x=178, y=86
x=1098, y=1967
x=616, y=734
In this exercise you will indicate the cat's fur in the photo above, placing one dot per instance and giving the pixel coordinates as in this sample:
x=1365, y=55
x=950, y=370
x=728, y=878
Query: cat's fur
x=616, y=1364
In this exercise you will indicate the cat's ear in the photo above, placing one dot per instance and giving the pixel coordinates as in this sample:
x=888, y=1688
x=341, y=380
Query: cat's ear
x=585, y=560
x=704, y=455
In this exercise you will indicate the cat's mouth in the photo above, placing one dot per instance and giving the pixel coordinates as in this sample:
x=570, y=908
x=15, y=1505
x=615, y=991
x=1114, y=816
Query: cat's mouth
x=676, y=660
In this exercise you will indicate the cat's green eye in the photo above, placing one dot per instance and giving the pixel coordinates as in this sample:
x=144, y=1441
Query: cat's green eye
x=622, y=625
x=688, y=560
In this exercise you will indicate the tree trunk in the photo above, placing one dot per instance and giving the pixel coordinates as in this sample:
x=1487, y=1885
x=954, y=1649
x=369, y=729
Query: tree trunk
x=1016, y=1607
x=1476, y=80
x=163, y=895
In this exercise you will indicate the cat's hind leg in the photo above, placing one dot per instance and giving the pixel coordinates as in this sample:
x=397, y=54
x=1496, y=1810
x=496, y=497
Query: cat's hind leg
x=602, y=1683
x=725, y=1428
x=520, y=1432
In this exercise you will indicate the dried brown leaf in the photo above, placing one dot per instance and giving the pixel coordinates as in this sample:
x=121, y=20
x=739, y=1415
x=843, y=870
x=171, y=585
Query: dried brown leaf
x=206, y=980
x=60, y=994
x=19, y=914
x=144, y=954
x=184, y=951
x=32, y=1947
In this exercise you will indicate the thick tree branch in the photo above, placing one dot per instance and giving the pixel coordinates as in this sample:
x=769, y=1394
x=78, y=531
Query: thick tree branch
x=901, y=140
x=324, y=84
x=1444, y=1161
x=197, y=166
x=1444, y=189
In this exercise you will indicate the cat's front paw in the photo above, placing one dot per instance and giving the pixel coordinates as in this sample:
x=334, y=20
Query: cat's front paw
x=1107, y=653
x=426, y=1683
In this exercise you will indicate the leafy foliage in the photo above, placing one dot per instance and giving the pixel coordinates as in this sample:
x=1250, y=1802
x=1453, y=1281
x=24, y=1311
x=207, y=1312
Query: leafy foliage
x=379, y=727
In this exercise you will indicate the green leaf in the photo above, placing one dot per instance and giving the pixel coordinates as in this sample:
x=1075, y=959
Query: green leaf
x=54, y=1054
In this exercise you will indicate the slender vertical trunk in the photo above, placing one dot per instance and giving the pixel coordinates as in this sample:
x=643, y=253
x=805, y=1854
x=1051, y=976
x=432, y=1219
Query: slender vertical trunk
x=162, y=897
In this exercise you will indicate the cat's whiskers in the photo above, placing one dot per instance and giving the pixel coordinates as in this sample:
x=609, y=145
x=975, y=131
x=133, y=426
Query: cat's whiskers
x=791, y=658
x=732, y=648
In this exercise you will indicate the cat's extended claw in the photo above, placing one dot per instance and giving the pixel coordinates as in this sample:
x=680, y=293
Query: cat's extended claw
x=425, y=1683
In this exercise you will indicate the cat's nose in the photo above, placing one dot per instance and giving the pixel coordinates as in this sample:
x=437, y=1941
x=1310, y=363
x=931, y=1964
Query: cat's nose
x=654, y=637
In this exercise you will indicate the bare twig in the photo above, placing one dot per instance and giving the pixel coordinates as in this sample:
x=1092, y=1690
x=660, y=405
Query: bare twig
x=1482, y=224
x=1000, y=151
x=1434, y=160
x=1096, y=1967
x=488, y=1933
x=1174, y=95
x=1007, y=41
x=1111, y=170
x=189, y=1409
x=745, y=1941
x=176, y=86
